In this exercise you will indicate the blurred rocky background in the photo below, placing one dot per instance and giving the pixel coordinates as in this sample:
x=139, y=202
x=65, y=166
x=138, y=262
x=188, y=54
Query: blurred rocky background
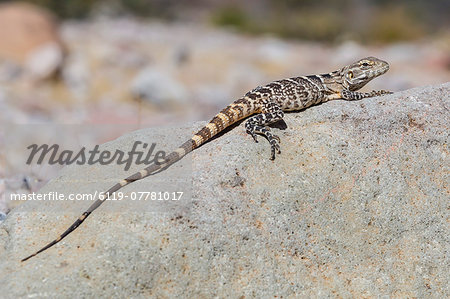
x=128, y=64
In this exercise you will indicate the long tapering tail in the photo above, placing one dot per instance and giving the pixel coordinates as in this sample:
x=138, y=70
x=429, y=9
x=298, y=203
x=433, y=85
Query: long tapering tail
x=231, y=114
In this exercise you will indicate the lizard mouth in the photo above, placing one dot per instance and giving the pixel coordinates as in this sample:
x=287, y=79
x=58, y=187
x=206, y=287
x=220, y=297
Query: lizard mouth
x=383, y=70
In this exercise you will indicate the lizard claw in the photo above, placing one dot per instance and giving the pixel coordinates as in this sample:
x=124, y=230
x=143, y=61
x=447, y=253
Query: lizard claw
x=274, y=147
x=277, y=138
x=253, y=135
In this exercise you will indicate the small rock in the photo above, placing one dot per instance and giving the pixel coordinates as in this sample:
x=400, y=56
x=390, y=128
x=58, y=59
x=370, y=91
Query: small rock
x=158, y=87
x=30, y=38
x=181, y=55
x=44, y=60
x=2, y=217
x=76, y=75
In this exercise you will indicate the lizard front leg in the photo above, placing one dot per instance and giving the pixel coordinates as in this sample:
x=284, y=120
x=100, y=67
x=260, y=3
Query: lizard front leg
x=354, y=95
x=257, y=124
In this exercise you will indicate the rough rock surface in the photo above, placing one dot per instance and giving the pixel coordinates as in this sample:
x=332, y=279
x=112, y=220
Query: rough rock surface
x=355, y=206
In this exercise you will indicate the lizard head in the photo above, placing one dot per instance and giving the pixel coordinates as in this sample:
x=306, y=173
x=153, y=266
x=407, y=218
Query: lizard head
x=358, y=74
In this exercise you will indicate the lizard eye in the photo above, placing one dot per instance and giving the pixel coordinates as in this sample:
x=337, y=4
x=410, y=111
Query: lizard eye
x=365, y=64
x=350, y=75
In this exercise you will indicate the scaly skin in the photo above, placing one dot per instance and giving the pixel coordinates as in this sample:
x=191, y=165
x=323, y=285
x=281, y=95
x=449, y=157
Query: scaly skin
x=268, y=103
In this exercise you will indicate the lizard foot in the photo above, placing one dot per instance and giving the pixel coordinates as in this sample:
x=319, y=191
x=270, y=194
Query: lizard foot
x=274, y=141
x=252, y=133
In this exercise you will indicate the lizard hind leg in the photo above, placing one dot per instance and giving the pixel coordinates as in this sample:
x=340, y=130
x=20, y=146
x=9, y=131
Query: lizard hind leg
x=271, y=113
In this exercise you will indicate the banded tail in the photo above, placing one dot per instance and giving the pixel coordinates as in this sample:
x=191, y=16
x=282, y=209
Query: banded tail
x=228, y=116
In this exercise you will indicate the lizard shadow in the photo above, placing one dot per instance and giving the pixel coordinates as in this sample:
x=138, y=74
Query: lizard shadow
x=220, y=134
x=280, y=124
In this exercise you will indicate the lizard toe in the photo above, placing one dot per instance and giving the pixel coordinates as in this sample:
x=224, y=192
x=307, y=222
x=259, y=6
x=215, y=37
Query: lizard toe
x=277, y=138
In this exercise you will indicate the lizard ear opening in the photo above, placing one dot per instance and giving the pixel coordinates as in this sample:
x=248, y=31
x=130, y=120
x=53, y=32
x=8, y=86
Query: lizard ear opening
x=350, y=75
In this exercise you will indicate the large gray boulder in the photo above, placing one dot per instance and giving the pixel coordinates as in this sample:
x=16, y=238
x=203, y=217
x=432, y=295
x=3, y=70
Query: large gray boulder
x=355, y=206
